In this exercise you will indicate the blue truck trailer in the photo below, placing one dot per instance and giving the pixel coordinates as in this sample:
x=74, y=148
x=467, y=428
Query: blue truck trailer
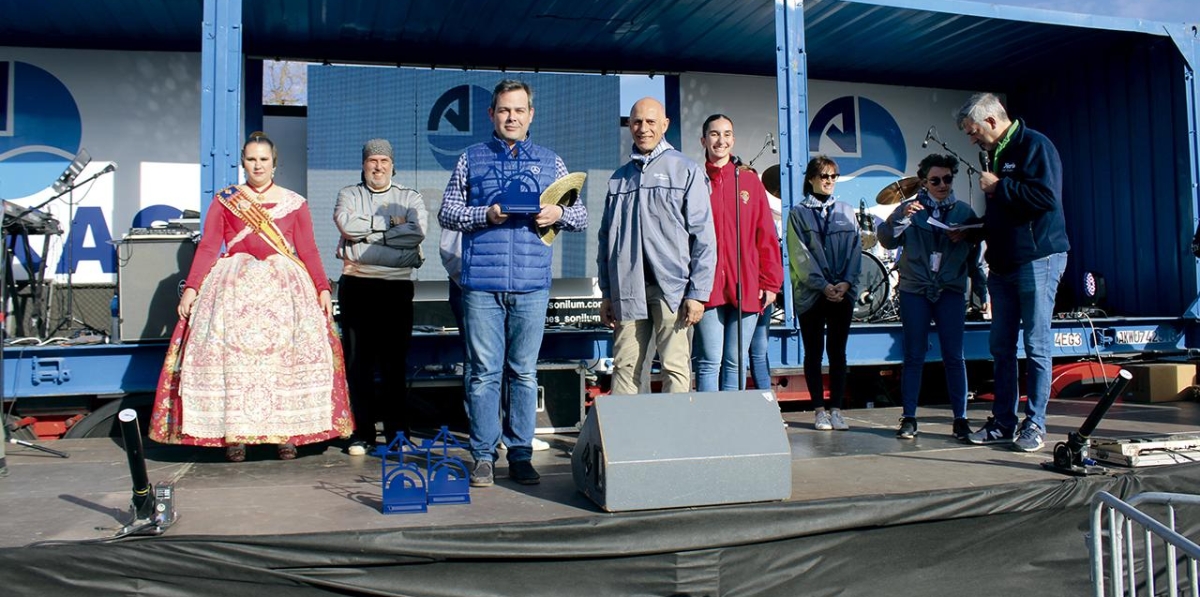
x=1117, y=96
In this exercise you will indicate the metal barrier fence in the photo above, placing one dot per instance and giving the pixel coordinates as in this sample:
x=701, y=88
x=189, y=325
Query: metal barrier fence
x=1127, y=558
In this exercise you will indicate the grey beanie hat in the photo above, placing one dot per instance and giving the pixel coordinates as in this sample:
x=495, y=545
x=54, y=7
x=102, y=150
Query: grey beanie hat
x=377, y=147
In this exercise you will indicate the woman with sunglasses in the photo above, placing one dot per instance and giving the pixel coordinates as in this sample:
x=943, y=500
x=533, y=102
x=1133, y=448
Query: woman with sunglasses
x=934, y=265
x=825, y=257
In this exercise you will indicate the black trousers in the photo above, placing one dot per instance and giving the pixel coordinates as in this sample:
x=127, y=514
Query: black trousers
x=826, y=325
x=376, y=318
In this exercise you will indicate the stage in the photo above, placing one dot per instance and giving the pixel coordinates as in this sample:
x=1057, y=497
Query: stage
x=869, y=515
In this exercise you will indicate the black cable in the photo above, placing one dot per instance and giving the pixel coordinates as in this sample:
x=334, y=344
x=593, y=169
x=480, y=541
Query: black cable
x=119, y=536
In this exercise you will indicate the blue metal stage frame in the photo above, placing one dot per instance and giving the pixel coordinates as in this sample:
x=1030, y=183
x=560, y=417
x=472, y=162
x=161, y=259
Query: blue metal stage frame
x=792, y=88
x=220, y=97
x=115, y=369
x=134, y=368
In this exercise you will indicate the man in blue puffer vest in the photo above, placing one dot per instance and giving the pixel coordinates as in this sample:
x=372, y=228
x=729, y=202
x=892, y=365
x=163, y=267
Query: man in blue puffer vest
x=505, y=277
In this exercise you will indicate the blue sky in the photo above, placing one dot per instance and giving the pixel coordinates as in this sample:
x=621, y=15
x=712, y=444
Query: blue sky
x=1176, y=11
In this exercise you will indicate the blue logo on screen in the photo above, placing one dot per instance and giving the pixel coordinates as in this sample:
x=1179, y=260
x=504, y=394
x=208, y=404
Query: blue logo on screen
x=860, y=135
x=40, y=129
x=450, y=122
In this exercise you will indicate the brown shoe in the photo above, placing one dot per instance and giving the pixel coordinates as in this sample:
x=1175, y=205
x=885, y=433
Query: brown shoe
x=235, y=452
x=287, y=452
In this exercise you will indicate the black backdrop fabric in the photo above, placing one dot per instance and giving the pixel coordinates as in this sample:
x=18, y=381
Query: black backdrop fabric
x=1011, y=539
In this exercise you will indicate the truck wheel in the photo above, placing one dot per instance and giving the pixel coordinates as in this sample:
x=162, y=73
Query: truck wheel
x=102, y=422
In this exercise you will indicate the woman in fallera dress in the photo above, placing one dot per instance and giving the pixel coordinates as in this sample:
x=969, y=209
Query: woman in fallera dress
x=254, y=358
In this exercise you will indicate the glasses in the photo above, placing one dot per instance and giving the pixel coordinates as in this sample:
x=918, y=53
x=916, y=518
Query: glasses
x=833, y=176
x=935, y=181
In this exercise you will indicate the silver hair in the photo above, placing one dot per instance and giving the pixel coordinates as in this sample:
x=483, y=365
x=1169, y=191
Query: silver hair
x=979, y=108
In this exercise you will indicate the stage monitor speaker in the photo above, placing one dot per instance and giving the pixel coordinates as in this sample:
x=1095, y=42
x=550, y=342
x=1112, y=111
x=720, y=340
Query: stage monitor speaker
x=150, y=278
x=675, y=450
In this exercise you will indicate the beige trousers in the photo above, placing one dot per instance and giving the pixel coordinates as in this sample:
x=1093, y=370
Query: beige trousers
x=632, y=348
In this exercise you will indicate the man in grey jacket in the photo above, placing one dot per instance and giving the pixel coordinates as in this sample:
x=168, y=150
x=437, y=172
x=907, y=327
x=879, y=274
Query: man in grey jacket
x=657, y=254
x=382, y=225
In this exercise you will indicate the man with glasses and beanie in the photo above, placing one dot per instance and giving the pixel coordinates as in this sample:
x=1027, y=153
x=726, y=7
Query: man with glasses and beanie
x=1027, y=246
x=505, y=277
x=382, y=225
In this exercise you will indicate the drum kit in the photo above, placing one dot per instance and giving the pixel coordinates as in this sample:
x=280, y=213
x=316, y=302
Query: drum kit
x=878, y=280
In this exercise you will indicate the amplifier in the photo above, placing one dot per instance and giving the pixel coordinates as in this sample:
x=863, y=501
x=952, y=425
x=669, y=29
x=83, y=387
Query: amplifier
x=165, y=231
x=561, y=397
x=560, y=400
x=150, y=276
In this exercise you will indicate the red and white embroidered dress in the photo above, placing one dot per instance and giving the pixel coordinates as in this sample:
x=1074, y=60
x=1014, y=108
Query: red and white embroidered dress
x=258, y=361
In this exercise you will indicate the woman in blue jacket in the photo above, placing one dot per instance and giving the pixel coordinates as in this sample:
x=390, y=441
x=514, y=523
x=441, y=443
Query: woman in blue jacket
x=825, y=257
x=934, y=266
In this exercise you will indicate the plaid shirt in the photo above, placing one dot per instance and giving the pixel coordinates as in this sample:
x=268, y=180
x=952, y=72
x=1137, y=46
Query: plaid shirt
x=456, y=214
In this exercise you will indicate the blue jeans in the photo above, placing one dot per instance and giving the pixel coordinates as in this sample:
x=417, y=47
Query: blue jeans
x=1023, y=301
x=760, y=368
x=949, y=312
x=716, y=348
x=503, y=332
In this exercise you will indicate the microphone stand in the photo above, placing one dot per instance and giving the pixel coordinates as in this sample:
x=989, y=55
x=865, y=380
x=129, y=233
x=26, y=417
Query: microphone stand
x=768, y=142
x=20, y=442
x=69, y=317
x=737, y=198
x=4, y=434
x=931, y=135
x=737, y=219
x=70, y=189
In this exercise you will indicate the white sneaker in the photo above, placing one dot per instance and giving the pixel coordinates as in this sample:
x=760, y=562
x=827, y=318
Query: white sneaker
x=537, y=445
x=357, y=449
x=836, y=420
x=822, y=422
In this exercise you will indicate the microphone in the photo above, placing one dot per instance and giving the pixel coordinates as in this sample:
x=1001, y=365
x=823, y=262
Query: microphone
x=928, y=137
x=736, y=160
x=771, y=142
x=109, y=168
x=985, y=162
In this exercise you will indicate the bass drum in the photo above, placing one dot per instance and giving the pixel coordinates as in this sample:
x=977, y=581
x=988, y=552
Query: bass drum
x=874, y=288
x=866, y=230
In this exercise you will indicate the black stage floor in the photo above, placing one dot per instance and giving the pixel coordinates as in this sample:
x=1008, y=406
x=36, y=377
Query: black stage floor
x=868, y=513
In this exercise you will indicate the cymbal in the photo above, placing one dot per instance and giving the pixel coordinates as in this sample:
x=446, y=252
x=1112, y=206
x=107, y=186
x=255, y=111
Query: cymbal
x=770, y=179
x=898, y=191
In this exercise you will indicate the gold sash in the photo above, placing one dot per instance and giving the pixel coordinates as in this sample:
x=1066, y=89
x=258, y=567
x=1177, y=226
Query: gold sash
x=255, y=216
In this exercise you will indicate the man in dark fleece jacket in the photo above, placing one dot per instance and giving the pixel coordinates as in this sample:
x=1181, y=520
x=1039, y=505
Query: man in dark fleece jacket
x=1027, y=252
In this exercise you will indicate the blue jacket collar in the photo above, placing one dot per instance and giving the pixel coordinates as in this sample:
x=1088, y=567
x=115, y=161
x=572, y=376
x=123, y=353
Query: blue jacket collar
x=501, y=146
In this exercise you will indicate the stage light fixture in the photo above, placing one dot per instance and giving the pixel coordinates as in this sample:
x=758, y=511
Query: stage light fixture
x=1094, y=289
